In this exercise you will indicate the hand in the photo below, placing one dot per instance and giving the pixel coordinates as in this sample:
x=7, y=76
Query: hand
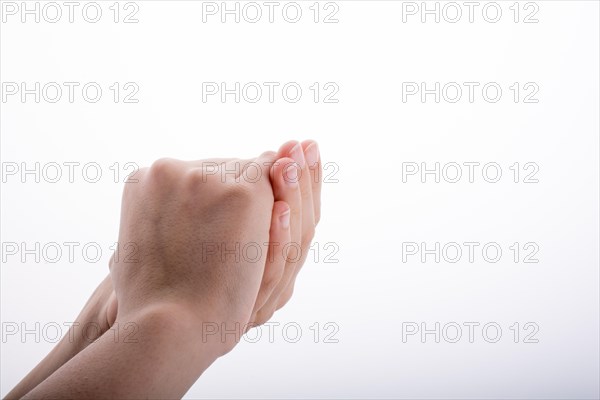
x=200, y=231
x=296, y=181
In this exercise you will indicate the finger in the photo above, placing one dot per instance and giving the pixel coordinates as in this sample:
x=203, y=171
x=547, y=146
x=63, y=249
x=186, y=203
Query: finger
x=310, y=209
x=279, y=236
x=285, y=188
x=313, y=160
x=308, y=219
x=295, y=151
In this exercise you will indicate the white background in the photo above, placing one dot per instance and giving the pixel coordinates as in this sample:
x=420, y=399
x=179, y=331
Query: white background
x=370, y=294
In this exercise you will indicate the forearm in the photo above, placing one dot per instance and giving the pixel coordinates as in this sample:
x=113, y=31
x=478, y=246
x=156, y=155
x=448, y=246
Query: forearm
x=89, y=325
x=59, y=355
x=162, y=360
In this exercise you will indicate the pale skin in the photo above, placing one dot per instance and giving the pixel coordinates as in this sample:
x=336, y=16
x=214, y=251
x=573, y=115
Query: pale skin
x=180, y=215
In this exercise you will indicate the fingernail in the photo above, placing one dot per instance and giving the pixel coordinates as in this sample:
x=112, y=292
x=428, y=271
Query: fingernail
x=312, y=155
x=298, y=155
x=285, y=219
x=290, y=174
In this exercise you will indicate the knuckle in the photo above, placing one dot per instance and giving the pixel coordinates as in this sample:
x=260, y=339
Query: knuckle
x=195, y=177
x=162, y=168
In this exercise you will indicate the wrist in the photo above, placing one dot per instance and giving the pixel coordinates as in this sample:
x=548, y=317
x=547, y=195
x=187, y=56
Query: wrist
x=197, y=328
